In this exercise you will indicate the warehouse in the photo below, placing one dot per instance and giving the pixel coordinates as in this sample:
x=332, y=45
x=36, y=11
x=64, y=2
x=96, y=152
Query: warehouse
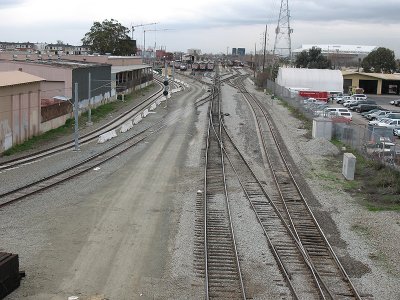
x=372, y=83
x=310, y=79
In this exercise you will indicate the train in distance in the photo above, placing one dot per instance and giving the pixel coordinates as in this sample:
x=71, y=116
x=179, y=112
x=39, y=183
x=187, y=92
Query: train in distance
x=203, y=66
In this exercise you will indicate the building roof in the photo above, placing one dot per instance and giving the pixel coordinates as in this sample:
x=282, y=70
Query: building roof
x=333, y=48
x=374, y=75
x=16, y=77
x=55, y=62
x=118, y=69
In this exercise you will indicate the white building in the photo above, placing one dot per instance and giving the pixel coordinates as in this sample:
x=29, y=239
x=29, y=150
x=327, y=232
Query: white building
x=310, y=79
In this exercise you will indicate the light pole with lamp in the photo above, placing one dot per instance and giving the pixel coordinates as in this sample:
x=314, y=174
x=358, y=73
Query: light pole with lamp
x=89, y=122
x=76, y=108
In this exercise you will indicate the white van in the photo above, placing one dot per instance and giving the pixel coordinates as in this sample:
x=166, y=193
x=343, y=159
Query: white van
x=359, y=97
x=333, y=112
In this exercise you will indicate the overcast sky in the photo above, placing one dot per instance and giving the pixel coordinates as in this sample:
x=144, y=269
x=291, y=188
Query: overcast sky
x=209, y=25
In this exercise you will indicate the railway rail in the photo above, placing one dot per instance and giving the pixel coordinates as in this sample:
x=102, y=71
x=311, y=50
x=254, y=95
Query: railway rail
x=86, y=164
x=329, y=275
x=79, y=168
x=223, y=278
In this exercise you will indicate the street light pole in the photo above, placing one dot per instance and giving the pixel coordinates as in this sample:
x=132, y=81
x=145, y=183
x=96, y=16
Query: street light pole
x=76, y=108
x=89, y=122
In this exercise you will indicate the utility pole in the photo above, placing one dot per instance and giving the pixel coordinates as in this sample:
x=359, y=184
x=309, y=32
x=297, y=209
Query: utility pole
x=265, y=46
x=89, y=122
x=76, y=108
x=255, y=59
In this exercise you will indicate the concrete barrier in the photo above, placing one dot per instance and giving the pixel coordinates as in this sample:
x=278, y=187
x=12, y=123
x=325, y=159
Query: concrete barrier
x=145, y=113
x=107, y=136
x=158, y=101
x=126, y=126
x=153, y=106
x=137, y=119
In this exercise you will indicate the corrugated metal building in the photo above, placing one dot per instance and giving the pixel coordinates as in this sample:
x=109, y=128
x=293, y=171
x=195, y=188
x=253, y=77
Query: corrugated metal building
x=20, y=97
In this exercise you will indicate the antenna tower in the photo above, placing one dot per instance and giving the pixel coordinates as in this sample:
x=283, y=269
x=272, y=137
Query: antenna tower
x=283, y=31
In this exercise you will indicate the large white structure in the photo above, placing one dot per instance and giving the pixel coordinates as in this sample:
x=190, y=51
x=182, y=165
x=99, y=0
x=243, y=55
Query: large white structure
x=339, y=55
x=310, y=79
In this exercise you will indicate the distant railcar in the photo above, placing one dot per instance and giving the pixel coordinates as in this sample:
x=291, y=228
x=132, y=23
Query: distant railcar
x=177, y=64
x=183, y=67
x=210, y=66
x=203, y=66
x=195, y=66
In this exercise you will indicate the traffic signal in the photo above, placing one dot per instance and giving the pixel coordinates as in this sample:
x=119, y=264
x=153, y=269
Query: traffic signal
x=165, y=93
x=165, y=82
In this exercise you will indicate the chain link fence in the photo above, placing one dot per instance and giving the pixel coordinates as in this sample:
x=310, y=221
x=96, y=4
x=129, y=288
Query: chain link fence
x=373, y=142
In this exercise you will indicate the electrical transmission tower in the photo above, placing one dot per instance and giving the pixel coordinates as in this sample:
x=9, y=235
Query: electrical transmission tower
x=283, y=31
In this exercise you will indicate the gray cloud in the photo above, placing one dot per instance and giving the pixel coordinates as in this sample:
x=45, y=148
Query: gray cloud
x=257, y=12
x=10, y=3
x=345, y=10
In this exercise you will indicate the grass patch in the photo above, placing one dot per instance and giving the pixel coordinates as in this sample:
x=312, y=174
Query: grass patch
x=376, y=186
x=361, y=229
x=33, y=142
x=97, y=114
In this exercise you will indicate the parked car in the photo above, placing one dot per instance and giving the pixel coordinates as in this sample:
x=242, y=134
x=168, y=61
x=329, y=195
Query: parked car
x=377, y=121
x=365, y=113
x=333, y=112
x=364, y=107
x=358, y=102
x=396, y=132
x=384, y=146
x=395, y=102
x=348, y=102
x=343, y=99
x=391, y=123
x=378, y=114
x=313, y=101
x=359, y=96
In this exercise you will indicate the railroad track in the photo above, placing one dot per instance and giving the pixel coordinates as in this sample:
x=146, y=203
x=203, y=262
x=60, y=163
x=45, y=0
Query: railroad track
x=329, y=276
x=79, y=168
x=86, y=164
x=87, y=138
x=223, y=278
